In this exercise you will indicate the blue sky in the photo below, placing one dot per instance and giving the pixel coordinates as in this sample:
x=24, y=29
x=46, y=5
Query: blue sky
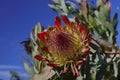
x=17, y=18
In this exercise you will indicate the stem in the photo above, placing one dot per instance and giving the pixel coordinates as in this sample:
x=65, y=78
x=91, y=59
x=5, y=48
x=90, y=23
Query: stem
x=109, y=52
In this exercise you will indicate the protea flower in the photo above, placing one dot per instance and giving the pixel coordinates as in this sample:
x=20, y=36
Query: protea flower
x=65, y=46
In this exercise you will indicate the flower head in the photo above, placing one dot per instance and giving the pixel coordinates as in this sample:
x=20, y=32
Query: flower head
x=65, y=45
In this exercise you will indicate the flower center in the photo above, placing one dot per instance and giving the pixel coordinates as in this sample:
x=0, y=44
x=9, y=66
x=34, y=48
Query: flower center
x=63, y=43
x=62, y=40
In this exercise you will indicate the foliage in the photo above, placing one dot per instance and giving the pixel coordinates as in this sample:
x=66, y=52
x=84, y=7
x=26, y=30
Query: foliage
x=103, y=56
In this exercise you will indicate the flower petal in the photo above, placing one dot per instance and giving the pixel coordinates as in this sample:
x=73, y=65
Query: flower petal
x=64, y=70
x=66, y=20
x=86, y=58
x=89, y=39
x=58, y=23
x=42, y=36
x=82, y=28
x=39, y=57
x=72, y=69
x=52, y=64
x=76, y=71
x=79, y=63
x=76, y=20
x=45, y=49
x=86, y=50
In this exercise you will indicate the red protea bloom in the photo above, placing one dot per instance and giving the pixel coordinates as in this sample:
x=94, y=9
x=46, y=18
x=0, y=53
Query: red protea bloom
x=65, y=46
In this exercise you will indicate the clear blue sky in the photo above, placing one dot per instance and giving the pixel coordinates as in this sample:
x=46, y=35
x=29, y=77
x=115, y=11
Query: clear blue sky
x=17, y=18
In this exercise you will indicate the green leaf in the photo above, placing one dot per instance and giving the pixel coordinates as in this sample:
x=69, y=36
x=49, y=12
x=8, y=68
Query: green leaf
x=92, y=21
x=118, y=69
x=115, y=69
x=101, y=72
x=71, y=5
x=36, y=70
x=46, y=75
x=57, y=9
x=56, y=1
x=29, y=69
x=99, y=2
x=99, y=17
x=93, y=73
x=36, y=66
x=115, y=20
x=79, y=78
x=90, y=7
x=38, y=28
x=64, y=7
x=110, y=39
x=110, y=27
x=104, y=12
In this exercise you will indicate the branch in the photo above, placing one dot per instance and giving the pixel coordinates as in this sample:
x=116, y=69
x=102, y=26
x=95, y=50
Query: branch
x=102, y=42
x=110, y=52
